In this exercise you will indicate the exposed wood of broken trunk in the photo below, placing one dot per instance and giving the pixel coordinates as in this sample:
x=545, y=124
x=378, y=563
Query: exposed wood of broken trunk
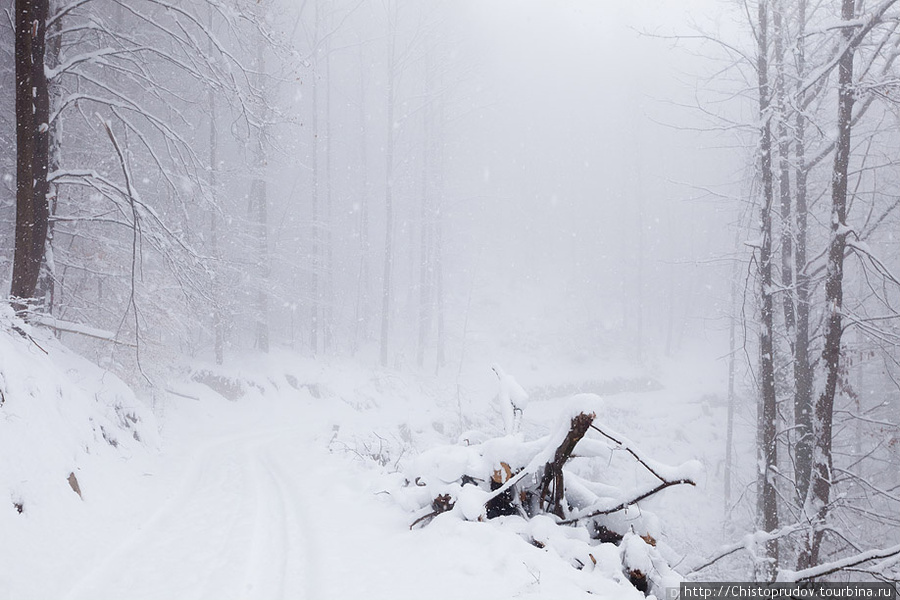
x=552, y=484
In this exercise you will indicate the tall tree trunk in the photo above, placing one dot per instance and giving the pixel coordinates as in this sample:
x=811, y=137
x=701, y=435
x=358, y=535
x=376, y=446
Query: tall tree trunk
x=779, y=31
x=46, y=286
x=441, y=340
x=262, y=221
x=32, y=149
x=425, y=229
x=425, y=274
x=361, y=321
x=386, y=292
x=328, y=270
x=670, y=286
x=315, y=262
x=767, y=454
x=218, y=322
x=639, y=271
x=438, y=249
x=818, y=497
x=732, y=368
x=803, y=380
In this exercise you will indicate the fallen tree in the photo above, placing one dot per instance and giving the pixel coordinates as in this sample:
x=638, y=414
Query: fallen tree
x=531, y=481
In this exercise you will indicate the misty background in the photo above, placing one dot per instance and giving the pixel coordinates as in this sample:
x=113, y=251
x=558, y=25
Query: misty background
x=578, y=192
x=382, y=200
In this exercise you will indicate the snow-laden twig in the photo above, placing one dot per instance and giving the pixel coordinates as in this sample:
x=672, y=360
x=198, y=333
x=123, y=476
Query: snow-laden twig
x=863, y=26
x=882, y=269
x=838, y=565
x=747, y=543
x=590, y=513
x=135, y=247
x=626, y=445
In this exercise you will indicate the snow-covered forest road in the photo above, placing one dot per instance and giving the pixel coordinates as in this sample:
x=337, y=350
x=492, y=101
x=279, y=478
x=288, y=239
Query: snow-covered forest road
x=251, y=506
x=235, y=525
x=250, y=501
x=302, y=490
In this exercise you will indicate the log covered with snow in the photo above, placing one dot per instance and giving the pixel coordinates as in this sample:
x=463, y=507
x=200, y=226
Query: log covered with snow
x=530, y=480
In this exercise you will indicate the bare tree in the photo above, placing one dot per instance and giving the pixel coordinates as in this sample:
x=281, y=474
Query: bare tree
x=426, y=220
x=820, y=488
x=803, y=373
x=260, y=210
x=813, y=460
x=150, y=69
x=767, y=416
x=362, y=308
x=387, y=290
x=218, y=320
x=32, y=148
x=315, y=215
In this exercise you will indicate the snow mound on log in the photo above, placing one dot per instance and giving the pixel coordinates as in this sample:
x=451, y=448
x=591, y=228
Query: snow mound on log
x=58, y=411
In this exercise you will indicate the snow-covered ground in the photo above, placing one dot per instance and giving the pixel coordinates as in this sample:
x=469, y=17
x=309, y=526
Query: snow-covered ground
x=291, y=490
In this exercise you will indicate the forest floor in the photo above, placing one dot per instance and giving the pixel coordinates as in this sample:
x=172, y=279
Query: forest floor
x=283, y=493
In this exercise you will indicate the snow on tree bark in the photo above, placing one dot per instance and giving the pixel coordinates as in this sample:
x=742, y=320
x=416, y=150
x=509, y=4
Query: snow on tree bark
x=803, y=380
x=767, y=450
x=817, y=502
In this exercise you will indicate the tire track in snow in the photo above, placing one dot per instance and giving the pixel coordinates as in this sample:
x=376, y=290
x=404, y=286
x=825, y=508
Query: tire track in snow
x=193, y=546
x=109, y=572
x=269, y=558
x=299, y=565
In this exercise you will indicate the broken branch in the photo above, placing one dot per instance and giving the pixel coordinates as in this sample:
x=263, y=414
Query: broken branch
x=552, y=479
x=627, y=503
x=629, y=450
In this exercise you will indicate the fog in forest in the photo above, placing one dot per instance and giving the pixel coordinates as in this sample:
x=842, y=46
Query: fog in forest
x=558, y=147
x=578, y=187
x=417, y=251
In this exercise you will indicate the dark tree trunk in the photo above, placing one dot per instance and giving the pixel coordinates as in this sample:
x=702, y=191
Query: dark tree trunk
x=784, y=172
x=552, y=486
x=803, y=381
x=820, y=486
x=767, y=455
x=32, y=149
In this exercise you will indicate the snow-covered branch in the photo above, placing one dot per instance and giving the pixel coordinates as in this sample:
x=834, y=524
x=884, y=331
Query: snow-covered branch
x=835, y=566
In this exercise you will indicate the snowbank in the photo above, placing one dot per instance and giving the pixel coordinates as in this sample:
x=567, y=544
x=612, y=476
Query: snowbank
x=60, y=418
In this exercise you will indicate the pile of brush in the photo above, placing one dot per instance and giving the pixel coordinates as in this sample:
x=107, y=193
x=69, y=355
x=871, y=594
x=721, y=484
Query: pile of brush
x=539, y=488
